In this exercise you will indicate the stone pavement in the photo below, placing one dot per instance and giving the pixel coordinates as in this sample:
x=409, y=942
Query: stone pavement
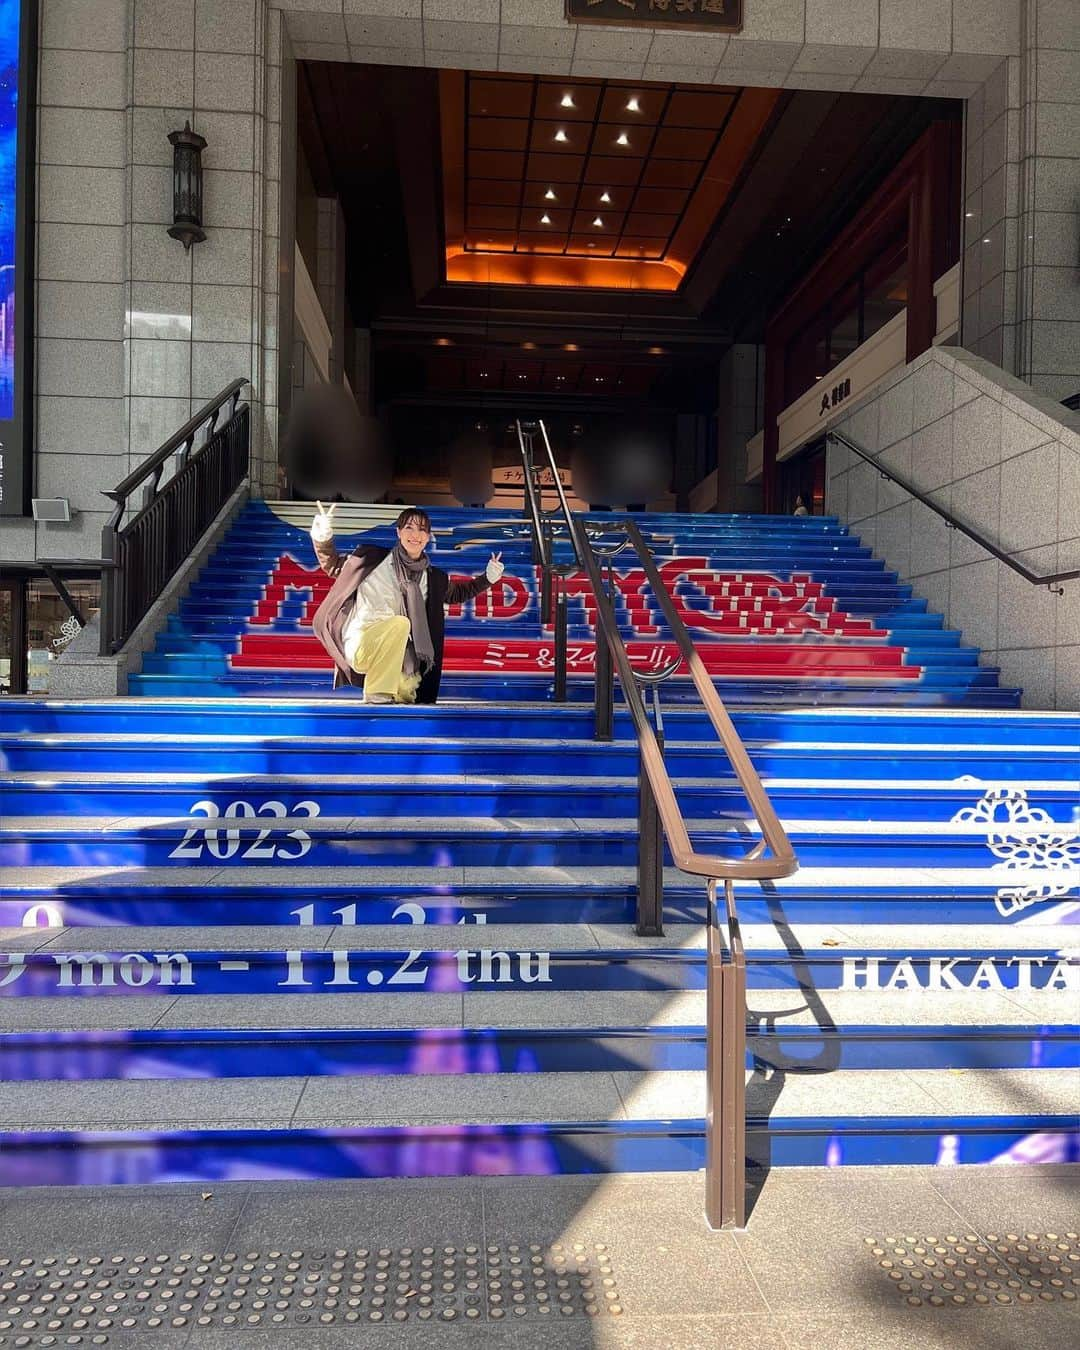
x=849, y=1259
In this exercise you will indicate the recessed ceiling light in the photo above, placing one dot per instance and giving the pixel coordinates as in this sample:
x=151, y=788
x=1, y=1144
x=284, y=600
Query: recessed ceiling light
x=549, y=195
x=561, y=135
x=622, y=138
x=605, y=196
x=567, y=101
x=443, y=342
x=633, y=105
x=529, y=346
x=571, y=347
x=598, y=221
x=656, y=351
x=545, y=219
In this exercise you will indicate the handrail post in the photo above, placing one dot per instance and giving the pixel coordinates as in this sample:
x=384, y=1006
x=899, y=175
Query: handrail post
x=650, y=888
x=725, y=1071
x=604, y=716
x=560, y=639
x=109, y=620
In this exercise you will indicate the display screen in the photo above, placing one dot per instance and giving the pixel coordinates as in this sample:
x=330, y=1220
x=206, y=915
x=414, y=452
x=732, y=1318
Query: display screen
x=16, y=104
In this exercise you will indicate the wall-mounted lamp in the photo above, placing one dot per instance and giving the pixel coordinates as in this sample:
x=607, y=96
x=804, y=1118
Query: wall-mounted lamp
x=187, y=147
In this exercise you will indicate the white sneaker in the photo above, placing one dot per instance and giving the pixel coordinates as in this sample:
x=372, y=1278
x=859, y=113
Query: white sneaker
x=378, y=698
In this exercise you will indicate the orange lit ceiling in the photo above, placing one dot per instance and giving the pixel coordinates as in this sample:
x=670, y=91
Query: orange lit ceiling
x=587, y=183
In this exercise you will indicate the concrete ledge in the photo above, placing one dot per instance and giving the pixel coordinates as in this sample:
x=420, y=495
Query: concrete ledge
x=82, y=672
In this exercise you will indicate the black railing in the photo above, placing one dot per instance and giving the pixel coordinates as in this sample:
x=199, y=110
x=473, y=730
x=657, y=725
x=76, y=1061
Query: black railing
x=139, y=559
x=1049, y=579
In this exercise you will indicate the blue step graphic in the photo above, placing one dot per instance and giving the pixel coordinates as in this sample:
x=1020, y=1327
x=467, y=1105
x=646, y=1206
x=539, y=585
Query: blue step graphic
x=300, y=936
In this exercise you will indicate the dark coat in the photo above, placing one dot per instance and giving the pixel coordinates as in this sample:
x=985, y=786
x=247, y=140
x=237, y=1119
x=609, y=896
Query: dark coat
x=349, y=570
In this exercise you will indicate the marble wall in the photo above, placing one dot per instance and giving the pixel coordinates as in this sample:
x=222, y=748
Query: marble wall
x=1005, y=461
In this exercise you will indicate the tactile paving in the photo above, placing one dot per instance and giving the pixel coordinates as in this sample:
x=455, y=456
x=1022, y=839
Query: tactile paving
x=73, y=1300
x=980, y=1270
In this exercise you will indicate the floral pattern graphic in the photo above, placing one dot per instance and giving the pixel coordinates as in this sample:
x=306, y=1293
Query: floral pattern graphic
x=1025, y=838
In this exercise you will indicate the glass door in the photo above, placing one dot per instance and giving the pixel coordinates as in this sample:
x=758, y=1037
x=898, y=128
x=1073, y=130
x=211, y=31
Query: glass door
x=12, y=636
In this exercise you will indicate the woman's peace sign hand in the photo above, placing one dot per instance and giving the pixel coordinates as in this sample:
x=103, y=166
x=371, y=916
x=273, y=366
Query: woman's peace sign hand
x=322, y=527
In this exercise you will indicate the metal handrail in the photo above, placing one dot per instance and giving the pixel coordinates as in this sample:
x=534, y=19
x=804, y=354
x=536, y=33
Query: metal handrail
x=540, y=538
x=953, y=523
x=725, y=1190
x=179, y=440
x=141, y=557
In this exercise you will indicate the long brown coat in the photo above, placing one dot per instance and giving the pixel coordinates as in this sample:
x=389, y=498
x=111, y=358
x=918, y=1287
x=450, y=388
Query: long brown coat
x=349, y=570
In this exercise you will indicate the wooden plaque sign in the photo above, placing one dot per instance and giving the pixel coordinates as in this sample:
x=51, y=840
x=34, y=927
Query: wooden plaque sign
x=715, y=16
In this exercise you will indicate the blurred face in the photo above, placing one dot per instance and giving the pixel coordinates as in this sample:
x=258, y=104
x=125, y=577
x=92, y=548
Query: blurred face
x=413, y=537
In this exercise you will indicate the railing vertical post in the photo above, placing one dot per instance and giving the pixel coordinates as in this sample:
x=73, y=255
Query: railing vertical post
x=650, y=870
x=546, y=615
x=725, y=1073
x=604, y=718
x=560, y=640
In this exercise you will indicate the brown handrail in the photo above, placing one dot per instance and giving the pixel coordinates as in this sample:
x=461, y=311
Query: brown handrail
x=725, y=1134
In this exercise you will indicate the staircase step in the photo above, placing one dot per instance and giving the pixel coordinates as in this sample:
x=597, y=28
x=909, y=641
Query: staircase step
x=89, y=794
x=477, y=841
x=518, y=719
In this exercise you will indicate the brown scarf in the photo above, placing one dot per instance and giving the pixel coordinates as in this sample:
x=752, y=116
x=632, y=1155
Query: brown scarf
x=420, y=652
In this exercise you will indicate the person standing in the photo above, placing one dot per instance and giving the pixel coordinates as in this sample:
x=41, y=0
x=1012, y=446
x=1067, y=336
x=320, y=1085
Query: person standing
x=383, y=621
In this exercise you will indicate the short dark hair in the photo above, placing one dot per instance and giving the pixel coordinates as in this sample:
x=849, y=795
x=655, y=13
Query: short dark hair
x=413, y=514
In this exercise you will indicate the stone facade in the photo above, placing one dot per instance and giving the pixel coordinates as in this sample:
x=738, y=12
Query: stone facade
x=132, y=333
x=1006, y=462
x=1022, y=204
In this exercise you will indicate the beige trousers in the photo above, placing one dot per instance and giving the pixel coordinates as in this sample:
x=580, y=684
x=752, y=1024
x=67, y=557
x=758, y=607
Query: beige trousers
x=379, y=656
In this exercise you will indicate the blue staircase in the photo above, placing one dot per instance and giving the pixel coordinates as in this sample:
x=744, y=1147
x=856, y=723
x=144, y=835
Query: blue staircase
x=211, y=889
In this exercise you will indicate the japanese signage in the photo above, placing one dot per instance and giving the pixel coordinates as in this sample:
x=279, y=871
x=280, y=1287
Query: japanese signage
x=833, y=397
x=514, y=476
x=719, y=16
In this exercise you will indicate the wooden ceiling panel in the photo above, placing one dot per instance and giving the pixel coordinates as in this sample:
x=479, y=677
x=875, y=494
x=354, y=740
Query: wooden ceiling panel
x=495, y=164
x=585, y=222
x=595, y=243
x=499, y=133
x=698, y=108
x=533, y=241
x=670, y=173
x=534, y=193
x=494, y=192
x=492, y=218
x=683, y=143
x=604, y=170
x=559, y=138
x=650, y=100
x=555, y=168
x=491, y=241
x=530, y=163
x=641, y=222
x=665, y=201
x=616, y=138
x=585, y=96
x=500, y=98
x=606, y=196
x=634, y=246
x=557, y=218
